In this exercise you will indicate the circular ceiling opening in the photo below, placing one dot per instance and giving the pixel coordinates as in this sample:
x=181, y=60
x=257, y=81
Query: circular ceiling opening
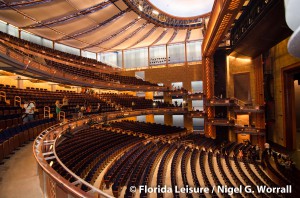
x=183, y=8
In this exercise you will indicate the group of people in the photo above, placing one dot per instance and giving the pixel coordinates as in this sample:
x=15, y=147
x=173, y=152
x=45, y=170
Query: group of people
x=86, y=108
x=30, y=108
x=252, y=154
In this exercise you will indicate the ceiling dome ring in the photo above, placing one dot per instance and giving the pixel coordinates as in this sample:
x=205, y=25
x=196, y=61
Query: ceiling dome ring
x=146, y=10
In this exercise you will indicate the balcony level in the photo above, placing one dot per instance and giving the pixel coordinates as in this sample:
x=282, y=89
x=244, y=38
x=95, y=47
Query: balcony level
x=227, y=102
x=197, y=114
x=221, y=122
x=252, y=130
x=249, y=109
x=195, y=96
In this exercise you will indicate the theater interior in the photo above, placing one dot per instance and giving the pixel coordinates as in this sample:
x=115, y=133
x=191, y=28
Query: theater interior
x=104, y=98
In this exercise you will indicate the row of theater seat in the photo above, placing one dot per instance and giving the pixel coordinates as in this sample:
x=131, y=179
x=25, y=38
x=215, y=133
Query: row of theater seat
x=147, y=128
x=48, y=98
x=133, y=102
x=76, y=69
x=163, y=167
x=139, y=167
x=54, y=53
x=174, y=171
x=134, y=166
x=92, y=151
x=15, y=136
x=89, y=74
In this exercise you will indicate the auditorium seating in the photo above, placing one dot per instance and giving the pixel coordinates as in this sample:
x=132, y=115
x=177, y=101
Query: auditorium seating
x=152, y=165
x=174, y=170
x=89, y=74
x=93, y=150
x=16, y=135
x=133, y=102
x=52, y=52
x=81, y=66
x=161, y=175
x=44, y=98
x=183, y=167
x=128, y=160
x=147, y=128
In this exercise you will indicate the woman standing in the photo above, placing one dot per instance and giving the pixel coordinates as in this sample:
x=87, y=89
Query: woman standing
x=57, y=108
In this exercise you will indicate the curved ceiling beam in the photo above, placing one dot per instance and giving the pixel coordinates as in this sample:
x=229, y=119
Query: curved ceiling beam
x=129, y=36
x=89, y=30
x=123, y=29
x=81, y=13
x=21, y=4
x=160, y=37
x=173, y=36
x=144, y=37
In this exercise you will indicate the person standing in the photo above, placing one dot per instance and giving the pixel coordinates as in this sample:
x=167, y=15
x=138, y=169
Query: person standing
x=65, y=101
x=57, y=108
x=98, y=107
x=267, y=147
x=29, y=111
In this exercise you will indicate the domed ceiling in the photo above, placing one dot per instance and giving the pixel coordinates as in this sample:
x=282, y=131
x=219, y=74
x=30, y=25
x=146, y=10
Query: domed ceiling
x=183, y=8
x=109, y=25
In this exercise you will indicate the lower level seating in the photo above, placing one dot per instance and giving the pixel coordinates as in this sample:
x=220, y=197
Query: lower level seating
x=13, y=137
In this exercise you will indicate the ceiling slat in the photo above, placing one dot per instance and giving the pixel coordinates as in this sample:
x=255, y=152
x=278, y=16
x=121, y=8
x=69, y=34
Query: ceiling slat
x=89, y=30
x=64, y=19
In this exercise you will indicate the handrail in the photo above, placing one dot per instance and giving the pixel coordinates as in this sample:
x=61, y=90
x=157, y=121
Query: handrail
x=62, y=116
x=48, y=138
x=3, y=95
x=17, y=99
x=94, y=189
x=46, y=112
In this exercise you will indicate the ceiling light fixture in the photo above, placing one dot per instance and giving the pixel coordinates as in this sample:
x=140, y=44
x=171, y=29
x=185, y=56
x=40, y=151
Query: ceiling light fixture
x=141, y=8
x=155, y=12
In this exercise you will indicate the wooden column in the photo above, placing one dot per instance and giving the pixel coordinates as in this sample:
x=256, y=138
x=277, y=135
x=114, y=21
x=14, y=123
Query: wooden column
x=167, y=56
x=259, y=118
x=148, y=56
x=208, y=72
x=123, y=62
x=185, y=54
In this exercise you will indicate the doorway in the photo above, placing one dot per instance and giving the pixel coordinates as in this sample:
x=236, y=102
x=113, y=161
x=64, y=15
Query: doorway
x=291, y=76
x=242, y=86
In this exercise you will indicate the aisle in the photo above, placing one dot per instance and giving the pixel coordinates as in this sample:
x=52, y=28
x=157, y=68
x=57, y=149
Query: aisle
x=18, y=176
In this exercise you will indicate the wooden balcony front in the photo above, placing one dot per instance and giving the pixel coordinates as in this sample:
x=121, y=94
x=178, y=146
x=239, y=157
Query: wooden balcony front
x=221, y=122
x=220, y=102
x=249, y=109
x=252, y=130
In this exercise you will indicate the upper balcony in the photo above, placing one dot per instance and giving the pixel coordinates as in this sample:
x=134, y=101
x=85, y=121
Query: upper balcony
x=196, y=96
x=221, y=122
x=252, y=130
x=221, y=102
x=197, y=114
x=18, y=62
x=249, y=109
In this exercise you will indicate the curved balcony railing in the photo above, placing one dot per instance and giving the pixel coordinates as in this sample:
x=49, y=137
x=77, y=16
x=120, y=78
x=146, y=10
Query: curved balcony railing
x=25, y=63
x=53, y=184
